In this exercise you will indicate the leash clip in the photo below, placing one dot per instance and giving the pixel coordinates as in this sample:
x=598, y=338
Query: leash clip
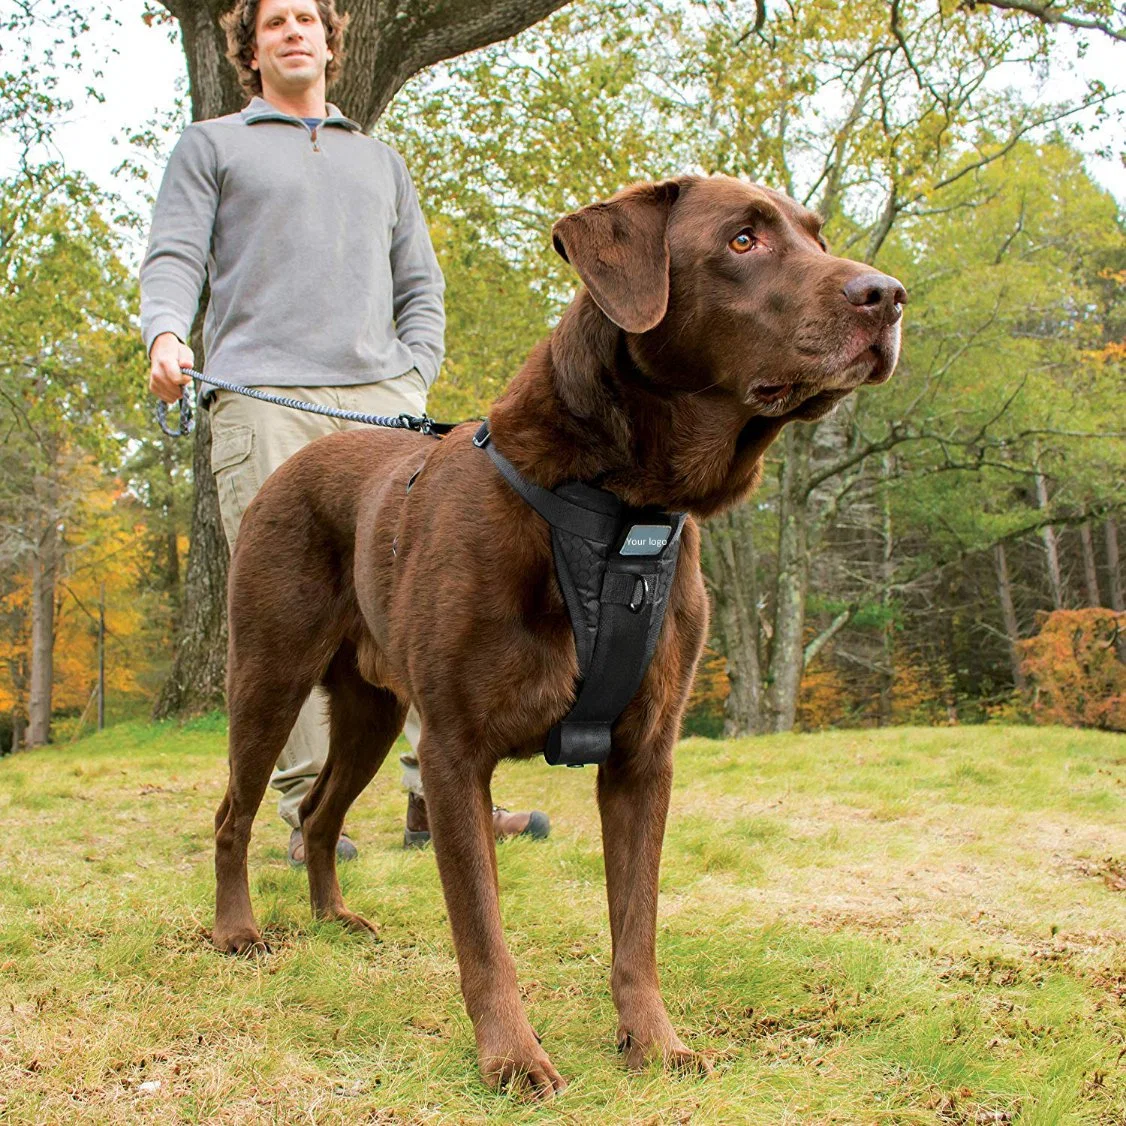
x=186, y=423
x=421, y=424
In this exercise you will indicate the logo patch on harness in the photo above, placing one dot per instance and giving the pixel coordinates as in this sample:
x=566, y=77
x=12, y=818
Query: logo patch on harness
x=645, y=539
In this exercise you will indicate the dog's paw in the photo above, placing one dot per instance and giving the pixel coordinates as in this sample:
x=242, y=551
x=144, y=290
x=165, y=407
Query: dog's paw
x=686, y=1061
x=671, y=1053
x=357, y=924
x=242, y=941
x=529, y=1074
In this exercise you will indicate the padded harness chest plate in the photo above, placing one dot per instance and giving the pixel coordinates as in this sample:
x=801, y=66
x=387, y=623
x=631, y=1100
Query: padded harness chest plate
x=615, y=565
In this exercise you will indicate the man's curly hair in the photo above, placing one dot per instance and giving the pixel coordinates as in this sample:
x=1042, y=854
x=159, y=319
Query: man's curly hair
x=240, y=23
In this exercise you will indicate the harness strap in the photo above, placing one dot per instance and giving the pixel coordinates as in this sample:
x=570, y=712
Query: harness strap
x=557, y=511
x=615, y=566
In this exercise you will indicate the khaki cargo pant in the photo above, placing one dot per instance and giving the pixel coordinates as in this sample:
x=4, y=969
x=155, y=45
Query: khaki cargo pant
x=249, y=440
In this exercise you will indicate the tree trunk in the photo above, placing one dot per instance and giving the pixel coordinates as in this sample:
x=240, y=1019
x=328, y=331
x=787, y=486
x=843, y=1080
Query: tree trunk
x=388, y=41
x=1008, y=613
x=44, y=575
x=1051, y=549
x=17, y=732
x=15, y=627
x=1110, y=533
x=1090, y=571
x=887, y=679
x=197, y=680
x=102, y=657
x=730, y=552
x=170, y=564
x=786, y=651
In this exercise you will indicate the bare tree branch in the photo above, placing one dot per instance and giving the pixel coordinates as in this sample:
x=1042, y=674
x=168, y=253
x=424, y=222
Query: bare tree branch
x=1047, y=14
x=758, y=25
x=897, y=31
x=828, y=633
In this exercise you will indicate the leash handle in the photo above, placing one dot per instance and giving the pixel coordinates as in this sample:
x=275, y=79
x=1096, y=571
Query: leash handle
x=186, y=422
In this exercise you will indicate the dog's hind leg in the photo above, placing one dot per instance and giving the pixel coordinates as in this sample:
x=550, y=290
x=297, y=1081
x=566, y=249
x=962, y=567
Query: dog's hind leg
x=363, y=723
x=263, y=709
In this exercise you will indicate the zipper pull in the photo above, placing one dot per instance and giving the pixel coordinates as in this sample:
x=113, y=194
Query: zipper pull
x=316, y=147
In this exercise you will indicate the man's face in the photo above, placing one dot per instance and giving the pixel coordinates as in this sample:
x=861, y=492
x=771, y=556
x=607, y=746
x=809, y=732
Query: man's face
x=290, y=51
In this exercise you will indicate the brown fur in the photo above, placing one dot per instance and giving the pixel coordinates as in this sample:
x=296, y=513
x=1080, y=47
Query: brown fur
x=665, y=381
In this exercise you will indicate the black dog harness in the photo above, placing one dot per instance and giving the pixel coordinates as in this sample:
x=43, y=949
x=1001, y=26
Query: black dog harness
x=615, y=565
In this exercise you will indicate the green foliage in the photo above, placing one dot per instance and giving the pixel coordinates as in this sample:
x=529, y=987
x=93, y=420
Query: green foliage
x=495, y=313
x=40, y=47
x=502, y=143
x=866, y=616
x=67, y=343
x=68, y=361
x=996, y=377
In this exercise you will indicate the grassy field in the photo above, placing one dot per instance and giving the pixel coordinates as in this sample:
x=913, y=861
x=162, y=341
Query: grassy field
x=902, y=926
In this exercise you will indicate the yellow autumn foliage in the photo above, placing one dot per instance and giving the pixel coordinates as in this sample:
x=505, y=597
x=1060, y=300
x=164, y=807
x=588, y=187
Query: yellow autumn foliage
x=103, y=545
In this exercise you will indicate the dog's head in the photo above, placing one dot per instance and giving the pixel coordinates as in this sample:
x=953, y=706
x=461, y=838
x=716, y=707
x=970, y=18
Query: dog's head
x=723, y=284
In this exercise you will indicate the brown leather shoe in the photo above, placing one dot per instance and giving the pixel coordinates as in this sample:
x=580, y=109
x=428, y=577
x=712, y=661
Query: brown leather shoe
x=505, y=824
x=345, y=849
x=417, y=831
x=533, y=824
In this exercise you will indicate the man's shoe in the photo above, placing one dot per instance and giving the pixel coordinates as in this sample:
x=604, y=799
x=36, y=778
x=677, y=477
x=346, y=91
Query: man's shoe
x=534, y=824
x=505, y=824
x=417, y=831
x=345, y=849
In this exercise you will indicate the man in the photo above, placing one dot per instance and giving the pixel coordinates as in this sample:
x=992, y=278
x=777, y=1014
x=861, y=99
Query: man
x=324, y=288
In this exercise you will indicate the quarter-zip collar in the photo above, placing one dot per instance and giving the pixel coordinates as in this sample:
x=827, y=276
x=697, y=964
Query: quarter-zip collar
x=260, y=110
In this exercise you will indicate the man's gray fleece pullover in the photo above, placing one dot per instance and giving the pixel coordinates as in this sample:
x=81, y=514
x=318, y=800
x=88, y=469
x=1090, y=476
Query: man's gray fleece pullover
x=320, y=264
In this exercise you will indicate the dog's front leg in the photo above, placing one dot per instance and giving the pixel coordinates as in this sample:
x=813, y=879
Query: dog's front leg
x=459, y=808
x=633, y=800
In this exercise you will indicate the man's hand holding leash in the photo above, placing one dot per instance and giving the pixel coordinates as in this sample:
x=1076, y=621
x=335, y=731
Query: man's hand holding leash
x=168, y=356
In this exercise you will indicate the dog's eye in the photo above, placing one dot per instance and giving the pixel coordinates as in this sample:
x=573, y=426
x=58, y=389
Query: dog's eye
x=743, y=241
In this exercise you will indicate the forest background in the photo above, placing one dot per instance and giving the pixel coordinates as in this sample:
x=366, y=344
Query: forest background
x=942, y=549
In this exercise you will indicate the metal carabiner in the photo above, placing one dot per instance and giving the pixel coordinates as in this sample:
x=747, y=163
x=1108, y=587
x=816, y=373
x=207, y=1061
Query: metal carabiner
x=420, y=424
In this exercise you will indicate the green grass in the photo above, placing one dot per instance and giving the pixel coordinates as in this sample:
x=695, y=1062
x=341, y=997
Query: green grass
x=904, y=926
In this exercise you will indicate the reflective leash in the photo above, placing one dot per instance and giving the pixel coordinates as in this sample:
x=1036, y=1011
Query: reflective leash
x=421, y=424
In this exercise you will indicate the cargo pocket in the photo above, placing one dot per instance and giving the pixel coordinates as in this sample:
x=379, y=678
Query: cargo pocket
x=235, y=477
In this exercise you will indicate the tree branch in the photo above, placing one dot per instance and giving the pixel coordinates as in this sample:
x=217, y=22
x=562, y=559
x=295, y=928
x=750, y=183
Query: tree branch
x=1050, y=16
x=387, y=42
x=757, y=26
x=828, y=633
x=1076, y=518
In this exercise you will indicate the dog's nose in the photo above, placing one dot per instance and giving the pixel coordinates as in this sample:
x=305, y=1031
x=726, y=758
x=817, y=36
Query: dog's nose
x=877, y=295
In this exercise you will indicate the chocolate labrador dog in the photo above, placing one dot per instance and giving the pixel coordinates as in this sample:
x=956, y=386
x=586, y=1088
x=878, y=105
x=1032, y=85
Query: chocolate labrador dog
x=711, y=315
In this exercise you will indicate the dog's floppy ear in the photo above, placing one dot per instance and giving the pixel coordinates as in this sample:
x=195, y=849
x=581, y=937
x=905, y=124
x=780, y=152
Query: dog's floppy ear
x=620, y=249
